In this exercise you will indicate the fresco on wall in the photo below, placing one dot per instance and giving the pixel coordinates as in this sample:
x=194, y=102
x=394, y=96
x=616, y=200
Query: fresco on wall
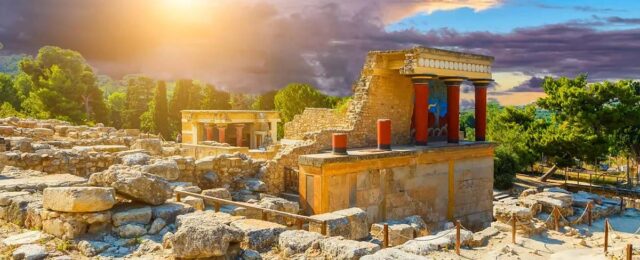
x=437, y=112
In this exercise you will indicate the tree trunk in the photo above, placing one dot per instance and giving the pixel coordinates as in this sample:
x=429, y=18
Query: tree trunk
x=629, y=183
x=548, y=173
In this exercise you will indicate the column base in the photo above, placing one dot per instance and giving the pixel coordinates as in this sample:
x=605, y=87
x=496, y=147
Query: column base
x=453, y=141
x=421, y=143
x=384, y=147
x=340, y=151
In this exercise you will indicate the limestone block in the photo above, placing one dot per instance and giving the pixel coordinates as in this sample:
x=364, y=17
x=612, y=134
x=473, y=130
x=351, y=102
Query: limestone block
x=157, y=225
x=152, y=145
x=482, y=237
x=29, y=237
x=131, y=214
x=192, y=189
x=358, y=222
x=393, y=253
x=92, y=248
x=79, y=199
x=220, y=193
x=255, y=185
x=135, y=159
x=337, y=225
x=196, y=203
x=419, y=226
x=340, y=248
x=167, y=169
x=293, y=242
x=170, y=210
x=201, y=235
x=259, y=235
x=399, y=233
x=73, y=225
x=134, y=184
x=130, y=230
x=443, y=239
x=30, y=252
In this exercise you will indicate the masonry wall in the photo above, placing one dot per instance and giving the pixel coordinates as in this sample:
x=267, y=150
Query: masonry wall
x=314, y=119
x=439, y=186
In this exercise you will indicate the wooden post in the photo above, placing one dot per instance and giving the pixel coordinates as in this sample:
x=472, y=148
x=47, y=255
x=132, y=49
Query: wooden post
x=178, y=197
x=513, y=228
x=299, y=223
x=216, y=205
x=323, y=229
x=385, y=238
x=606, y=234
x=458, y=237
x=589, y=219
x=629, y=251
x=621, y=205
x=555, y=218
x=264, y=215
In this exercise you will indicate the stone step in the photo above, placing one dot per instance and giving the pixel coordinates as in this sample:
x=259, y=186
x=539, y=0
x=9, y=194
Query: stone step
x=290, y=196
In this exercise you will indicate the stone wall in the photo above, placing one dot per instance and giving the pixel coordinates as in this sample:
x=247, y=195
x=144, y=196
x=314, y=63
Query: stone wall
x=440, y=185
x=313, y=120
x=59, y=161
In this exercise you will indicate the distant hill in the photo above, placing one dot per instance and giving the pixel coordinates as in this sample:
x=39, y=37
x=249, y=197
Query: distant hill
x=9, y=63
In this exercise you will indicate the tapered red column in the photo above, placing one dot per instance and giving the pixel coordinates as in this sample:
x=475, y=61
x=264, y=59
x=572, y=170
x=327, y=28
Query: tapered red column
x=421, y=109
x=481, y=109
x=209, y=130
x=239, y=135
x=221, y=136
x=453, y=109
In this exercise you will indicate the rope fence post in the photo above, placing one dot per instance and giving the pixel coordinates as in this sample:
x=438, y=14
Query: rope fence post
x=323, y=229
x=216, y=205
x=299, y=223
x=458, y=237
x=555, y=218
x=385, y=236
x=621, y=205
x=629, y=251
x=264, y=215
x=513, y=228
x=589, y=212
x=178, y=199
x=606, y=234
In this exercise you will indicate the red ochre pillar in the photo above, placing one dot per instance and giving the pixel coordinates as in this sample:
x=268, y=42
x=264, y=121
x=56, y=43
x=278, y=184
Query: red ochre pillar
x=384, y=134
x=339, y=143
x=221, y=137
x=421, y=109
x=453, y=109
x=209, y=129
x=481, y=110
x=239, y=135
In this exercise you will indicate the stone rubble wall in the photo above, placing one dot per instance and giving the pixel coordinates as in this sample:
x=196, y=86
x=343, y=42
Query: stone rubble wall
x=59, y=161
x=313, y=119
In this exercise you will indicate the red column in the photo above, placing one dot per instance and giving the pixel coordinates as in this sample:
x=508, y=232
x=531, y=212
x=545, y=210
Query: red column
x=239, y=135
x=209, y=130
x=453, y=110
x=481, y=110
x=339, y=143
x=384, y=134
x=221, y=137
x=420, y=110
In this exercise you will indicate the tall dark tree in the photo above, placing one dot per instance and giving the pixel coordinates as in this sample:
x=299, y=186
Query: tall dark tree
x=160, y=112
x=180, y=101
x=139, y=94
x=265, y=101
x=215, y=99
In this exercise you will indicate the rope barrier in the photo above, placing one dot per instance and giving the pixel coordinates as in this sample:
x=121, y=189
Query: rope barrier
x=374, y=237
x=434, y=238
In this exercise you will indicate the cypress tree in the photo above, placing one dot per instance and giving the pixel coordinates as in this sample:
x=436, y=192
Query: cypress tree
x=160, y=113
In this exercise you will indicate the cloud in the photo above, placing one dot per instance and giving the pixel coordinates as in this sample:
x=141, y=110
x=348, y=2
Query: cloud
x=534, y=84
x=256, y=46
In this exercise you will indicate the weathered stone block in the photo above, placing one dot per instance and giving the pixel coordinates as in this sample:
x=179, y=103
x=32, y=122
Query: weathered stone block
x=79, y=199
x=259, y=235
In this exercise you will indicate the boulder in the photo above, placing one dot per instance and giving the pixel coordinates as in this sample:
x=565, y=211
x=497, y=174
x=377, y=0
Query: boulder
x=255, y=185
x=152, y=145
x=293, y=242
x=135, y=159
x=201, y=235
x=393, y=253
x=443, y=239
x=220, y=193
x=340, y=248
x=29, y=237
x=131, y=214
x=259, y=235
x=399, y=233
x=419, y=226
x=130, y=230
x=190, y=188
x=280, y=204
x=167, y=169
x=358, y=222
x=92, y=248
x=249, y=254
x=134, y=184
x=30, y=252
x=157, y=225
x=79, y=199
x=196, y=203
x=481, y=238
x=337, y=225
x=170, y=210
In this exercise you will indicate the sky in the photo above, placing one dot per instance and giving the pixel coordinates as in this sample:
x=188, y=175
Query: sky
x=256, y=46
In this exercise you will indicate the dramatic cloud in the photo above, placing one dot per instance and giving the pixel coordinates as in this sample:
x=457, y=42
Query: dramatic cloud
x=255, y=46
x=534, y=84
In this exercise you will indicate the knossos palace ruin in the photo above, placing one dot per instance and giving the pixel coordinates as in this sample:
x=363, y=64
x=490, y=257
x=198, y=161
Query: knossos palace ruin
x=397, y=151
